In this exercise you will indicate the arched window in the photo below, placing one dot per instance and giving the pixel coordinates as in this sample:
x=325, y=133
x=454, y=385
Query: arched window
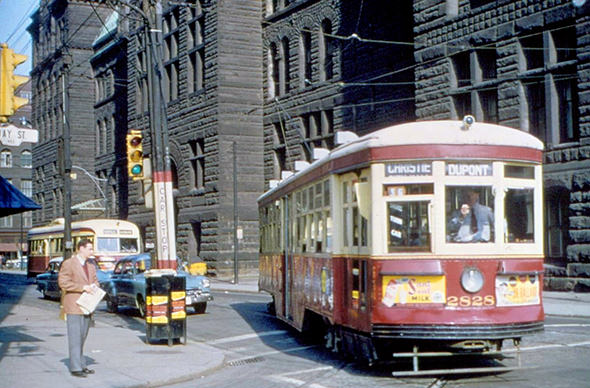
x=26, y=159
x=305, y=59
x=285, y=69
x=273, y=70
x=327, y=51
x=5, y=158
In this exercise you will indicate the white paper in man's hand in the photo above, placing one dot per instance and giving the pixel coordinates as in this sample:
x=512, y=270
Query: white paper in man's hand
x=89, y=300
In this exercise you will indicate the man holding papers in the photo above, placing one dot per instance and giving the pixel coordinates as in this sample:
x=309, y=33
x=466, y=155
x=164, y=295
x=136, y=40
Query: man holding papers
x=76, y=277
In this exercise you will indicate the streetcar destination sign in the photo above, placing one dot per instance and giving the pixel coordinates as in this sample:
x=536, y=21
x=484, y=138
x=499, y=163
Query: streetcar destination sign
x=408, y=169
x=469, y=169
x=14, y=136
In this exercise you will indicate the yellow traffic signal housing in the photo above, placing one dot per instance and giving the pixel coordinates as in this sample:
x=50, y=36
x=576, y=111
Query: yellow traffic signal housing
x=9, y=82
x=135, y=154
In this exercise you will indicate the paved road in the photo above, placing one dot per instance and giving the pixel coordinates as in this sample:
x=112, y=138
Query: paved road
x=261, y=352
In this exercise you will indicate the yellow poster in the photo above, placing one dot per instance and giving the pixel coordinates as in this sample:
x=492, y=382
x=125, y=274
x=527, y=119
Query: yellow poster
x=401, y=290
x=517, y=290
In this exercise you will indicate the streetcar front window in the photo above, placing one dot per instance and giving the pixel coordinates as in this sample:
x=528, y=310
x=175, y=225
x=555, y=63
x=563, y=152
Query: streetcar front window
x=470, y=214
x=129, y=245
x=408, y=226
x=107, y=244
x=519, y=222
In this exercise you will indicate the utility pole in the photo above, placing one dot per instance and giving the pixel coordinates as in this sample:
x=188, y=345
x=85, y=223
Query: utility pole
x=160, y=153
x=236, y=239
x=66, y=160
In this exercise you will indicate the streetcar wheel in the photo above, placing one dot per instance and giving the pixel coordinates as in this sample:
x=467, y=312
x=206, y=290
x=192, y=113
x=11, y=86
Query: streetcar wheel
x=200, y=308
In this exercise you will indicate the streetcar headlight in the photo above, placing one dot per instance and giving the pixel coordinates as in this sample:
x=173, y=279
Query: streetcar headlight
x=472, y=280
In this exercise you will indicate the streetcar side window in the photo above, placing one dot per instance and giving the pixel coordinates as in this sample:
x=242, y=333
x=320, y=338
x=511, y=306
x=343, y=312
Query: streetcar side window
x=408, y=226
x=312, y=224
x=470, y=214
x=355, y=230
x=519, y=212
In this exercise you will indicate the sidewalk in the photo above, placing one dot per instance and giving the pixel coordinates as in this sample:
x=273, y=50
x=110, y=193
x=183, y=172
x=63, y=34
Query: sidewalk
x=566, y=303
x=33, y=347
x=33, y=351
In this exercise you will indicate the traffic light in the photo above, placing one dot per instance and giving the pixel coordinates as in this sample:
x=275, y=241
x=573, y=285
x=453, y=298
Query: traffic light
x=135, y=154
x=9, y=103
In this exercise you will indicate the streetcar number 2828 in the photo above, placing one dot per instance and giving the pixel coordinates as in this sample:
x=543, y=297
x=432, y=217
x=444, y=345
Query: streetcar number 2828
x=467, y=301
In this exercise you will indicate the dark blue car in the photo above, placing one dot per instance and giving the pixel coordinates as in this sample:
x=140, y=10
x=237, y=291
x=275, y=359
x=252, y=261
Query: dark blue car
x=47, y=281
x=126, y=286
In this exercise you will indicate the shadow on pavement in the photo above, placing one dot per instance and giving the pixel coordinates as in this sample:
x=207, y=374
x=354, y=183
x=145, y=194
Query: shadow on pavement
x=12, y=289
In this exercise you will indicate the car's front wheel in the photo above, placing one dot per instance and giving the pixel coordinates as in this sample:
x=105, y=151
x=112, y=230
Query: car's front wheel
x=43, y=293
x=140, y=303
x=200, y=307
x=111, y=305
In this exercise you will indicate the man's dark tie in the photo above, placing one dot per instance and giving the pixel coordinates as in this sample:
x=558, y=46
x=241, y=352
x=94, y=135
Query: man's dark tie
x=473, y=222
x=85, y=266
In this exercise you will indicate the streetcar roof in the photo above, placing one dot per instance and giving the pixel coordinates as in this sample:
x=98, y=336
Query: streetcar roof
x=452, y=132
x=443, y=132
x=97, y=225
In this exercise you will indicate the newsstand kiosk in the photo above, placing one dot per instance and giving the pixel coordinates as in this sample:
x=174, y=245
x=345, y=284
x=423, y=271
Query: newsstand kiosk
x=165, y=316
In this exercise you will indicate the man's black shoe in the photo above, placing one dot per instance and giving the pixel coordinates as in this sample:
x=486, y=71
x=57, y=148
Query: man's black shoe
x=88, y=371
x=78, y=373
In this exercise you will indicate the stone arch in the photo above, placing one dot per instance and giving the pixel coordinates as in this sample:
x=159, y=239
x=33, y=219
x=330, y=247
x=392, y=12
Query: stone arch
x=176, y=158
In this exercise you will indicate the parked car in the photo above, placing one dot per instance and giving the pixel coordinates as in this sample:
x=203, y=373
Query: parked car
x=47, y=281
x=17, y=263
x=127, y=286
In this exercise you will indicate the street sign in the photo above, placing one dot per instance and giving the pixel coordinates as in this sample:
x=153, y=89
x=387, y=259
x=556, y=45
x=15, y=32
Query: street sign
x=14, y=136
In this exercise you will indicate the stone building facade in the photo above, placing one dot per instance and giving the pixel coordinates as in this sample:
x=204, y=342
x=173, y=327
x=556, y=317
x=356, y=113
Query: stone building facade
x=15, y=167
x=109, y=69
x=523, y=64
x=332, y=66
x=63, y=32
x=211, y=84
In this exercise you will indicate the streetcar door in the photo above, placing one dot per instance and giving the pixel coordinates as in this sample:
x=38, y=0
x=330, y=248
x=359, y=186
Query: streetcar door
x=357, y=292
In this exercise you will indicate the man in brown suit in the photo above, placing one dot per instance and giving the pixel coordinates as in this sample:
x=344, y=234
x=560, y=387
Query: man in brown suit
x=76, y=275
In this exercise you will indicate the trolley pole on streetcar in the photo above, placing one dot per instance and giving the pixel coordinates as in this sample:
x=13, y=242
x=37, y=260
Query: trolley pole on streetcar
x=160, y=151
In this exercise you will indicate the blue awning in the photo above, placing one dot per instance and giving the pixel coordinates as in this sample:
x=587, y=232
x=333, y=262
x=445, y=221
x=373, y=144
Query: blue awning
x=12, y=201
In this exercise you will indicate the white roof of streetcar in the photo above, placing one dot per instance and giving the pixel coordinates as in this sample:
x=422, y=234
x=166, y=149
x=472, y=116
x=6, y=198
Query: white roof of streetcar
x=443, y=132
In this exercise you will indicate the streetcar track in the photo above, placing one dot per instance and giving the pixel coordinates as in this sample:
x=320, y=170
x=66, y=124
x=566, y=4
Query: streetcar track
x=246, y=337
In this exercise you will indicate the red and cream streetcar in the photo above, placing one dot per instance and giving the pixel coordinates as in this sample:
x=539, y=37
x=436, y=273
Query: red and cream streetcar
x=418, y=239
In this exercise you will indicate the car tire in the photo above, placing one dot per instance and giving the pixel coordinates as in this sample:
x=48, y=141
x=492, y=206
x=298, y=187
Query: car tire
x=44, y=294
x=111, y=305
x=200, y=307
x=140, y=304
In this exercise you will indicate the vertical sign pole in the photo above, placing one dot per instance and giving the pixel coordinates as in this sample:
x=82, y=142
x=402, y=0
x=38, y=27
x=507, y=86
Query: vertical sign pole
x=236, y=242
x=161, y=171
